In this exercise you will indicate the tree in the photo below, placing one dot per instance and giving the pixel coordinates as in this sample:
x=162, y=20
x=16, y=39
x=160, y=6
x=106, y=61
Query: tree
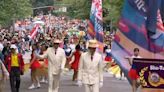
x=14, y=9
x=81, y=9
x=112, y=10
x=41, y=3
x=78, y=8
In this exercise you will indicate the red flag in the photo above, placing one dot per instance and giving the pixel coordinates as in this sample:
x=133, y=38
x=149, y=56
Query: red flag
x=34, y=32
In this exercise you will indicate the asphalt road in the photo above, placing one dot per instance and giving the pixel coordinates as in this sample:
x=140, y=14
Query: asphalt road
x=110, y=85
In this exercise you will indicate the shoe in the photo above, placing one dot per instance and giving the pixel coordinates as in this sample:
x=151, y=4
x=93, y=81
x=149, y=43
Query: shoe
x=38, y=86
x=32, y=87
x=42, y=81
x=46, y=81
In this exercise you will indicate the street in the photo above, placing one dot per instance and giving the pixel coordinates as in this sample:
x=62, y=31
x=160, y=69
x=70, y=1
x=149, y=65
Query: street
x=110, y=85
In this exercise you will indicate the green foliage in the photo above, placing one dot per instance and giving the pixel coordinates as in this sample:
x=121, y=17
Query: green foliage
x=13, y=9
x=112, y=10
x=81, y=9
x=40, y=3
x=78, y=8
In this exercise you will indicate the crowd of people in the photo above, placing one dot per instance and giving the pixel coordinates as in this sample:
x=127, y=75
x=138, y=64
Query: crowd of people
x=59, y=45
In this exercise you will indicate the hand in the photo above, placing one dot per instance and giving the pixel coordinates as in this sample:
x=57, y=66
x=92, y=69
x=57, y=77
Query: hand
x=79, y=83
x=6, y=77
x=70, y=63
x=101, y=84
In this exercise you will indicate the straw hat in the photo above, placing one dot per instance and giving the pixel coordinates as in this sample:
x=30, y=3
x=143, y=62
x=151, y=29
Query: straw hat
x=93, y=44
x=57, y=41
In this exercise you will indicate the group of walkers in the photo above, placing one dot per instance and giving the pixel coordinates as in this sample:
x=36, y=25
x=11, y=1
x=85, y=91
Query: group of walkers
x=54, y=50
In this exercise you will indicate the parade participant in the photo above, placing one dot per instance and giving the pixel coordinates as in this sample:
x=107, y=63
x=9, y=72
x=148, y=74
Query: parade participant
x=108, y=57
x=90, y=69
x=15, y=66
x=83, y=46
x=3, y=75
x=133, y=73
x=56, y=63
x=75, y=61
x=44, y=65
x=34, y=65
x=68, y=53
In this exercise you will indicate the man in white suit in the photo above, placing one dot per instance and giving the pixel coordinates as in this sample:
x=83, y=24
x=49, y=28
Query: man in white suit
x=90, y=69
x=56, y=63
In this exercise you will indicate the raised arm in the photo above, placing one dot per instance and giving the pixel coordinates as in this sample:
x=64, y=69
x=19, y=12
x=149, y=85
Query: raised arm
x=43, y=56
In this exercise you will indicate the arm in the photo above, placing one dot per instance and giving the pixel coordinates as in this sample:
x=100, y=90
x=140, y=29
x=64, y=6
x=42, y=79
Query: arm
x=80, y=68
x=21, y=62
x=63, y=61
x=100, y=68
x=33, y=60
x=5, y=72
x=45, y=55
x=72, y=59
x=129, y=59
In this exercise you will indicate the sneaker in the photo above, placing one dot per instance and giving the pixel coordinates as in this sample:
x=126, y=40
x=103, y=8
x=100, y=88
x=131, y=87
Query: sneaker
x=75, y=83
x=32, y=87
x=46, y=81
x=38, y=86
x=42, y=81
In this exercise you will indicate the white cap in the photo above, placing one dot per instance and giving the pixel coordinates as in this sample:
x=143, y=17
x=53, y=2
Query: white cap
x=13, y=46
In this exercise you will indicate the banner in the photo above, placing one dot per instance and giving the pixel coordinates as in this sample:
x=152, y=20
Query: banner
x=134, y=32
x=151, y=72
x=95, y=25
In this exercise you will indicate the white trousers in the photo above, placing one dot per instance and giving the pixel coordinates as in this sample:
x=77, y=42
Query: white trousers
x=54, y=83
x=91, y=88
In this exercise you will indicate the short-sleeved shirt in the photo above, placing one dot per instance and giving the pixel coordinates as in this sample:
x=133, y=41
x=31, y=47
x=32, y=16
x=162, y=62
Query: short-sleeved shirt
x=14, y=60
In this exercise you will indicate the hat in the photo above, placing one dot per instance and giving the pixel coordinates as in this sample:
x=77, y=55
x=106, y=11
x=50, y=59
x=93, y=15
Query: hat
x=13, y=46
x=48, y=38
x=93, y=44
x=57, y=41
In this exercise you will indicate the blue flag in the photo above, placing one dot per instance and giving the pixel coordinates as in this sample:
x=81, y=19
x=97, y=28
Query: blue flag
x=153, y=6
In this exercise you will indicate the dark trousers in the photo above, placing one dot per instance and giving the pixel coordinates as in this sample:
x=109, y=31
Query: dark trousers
x=15, y=79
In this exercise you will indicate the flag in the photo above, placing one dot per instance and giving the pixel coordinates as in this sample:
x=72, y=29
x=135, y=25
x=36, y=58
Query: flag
x=34, y=32
x=95, y=24
x=162, y=10
x=152, y=15
x=135, y=32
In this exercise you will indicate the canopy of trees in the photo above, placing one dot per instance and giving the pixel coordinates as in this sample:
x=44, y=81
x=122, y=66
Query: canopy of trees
x=81, y=9
x=13, y=9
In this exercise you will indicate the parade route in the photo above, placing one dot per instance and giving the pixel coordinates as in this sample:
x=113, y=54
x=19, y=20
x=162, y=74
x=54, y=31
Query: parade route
x=110, y=85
